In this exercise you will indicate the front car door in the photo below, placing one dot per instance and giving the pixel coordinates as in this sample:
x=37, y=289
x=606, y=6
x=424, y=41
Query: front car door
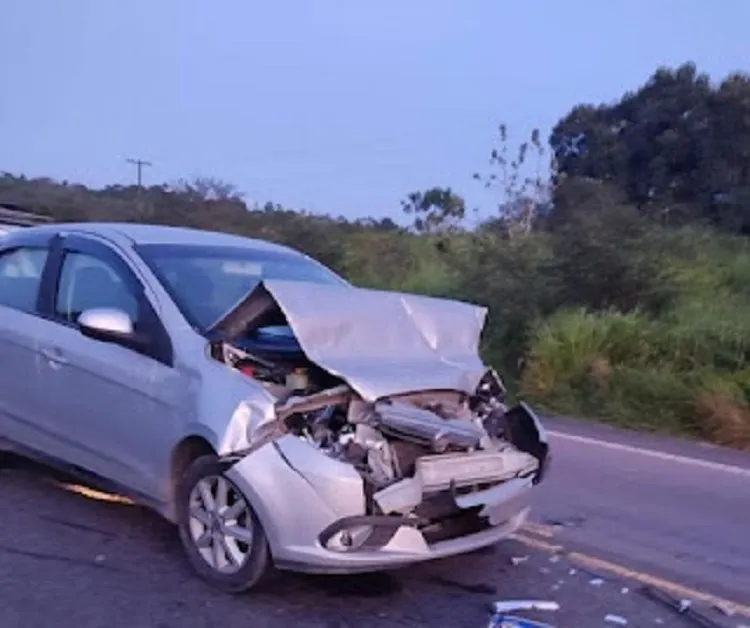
x=113, y=406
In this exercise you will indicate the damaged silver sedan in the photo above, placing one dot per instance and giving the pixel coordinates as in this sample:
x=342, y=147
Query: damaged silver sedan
x=277, y=414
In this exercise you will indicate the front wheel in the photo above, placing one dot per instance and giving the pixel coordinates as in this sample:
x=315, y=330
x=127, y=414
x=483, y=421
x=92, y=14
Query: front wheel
x=220, y=532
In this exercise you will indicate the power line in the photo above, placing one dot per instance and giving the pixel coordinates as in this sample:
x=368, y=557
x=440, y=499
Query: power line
x=139, y=163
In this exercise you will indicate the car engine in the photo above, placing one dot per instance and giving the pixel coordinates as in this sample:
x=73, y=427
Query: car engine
x=384, y=439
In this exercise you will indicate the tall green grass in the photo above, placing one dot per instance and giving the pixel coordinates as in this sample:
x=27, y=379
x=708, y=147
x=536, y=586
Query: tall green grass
x=686, y=374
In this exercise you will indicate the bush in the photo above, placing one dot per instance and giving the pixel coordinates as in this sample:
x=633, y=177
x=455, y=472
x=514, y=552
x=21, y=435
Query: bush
x=643, y=373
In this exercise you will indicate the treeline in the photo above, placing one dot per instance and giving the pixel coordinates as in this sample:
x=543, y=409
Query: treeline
x=617, y=288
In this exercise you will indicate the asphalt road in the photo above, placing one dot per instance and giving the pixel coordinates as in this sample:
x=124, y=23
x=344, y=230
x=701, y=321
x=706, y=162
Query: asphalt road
x=677, y=509
x=68, y=559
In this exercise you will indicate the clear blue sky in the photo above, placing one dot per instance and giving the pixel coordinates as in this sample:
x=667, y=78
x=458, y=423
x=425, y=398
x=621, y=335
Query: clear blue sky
x=338, y=106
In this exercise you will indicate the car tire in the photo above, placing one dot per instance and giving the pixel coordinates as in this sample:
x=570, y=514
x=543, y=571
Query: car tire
x=229, y=575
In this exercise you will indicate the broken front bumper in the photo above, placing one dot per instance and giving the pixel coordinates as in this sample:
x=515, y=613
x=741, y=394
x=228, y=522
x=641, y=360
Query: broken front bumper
x=380, y=542
x=313, y=509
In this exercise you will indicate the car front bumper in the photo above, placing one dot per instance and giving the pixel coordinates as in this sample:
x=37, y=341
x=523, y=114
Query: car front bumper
x=313, y=511
x=399, y=541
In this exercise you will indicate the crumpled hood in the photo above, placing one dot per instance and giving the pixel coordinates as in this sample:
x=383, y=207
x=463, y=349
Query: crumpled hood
x=381, y=343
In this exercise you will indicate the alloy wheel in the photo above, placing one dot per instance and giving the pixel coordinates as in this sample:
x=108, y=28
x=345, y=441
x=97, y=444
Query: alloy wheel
x=220, y=524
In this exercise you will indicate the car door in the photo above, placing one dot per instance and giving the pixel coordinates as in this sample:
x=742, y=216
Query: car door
x=22, y=264
x=115, y=407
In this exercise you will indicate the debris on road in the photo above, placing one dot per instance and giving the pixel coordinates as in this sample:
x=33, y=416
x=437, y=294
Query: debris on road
x=509, y=606
x=596, y=582
x=681, y=607
x=501, y=620
x=616, y=619
x=517, y=560
x=625, y=590
x=509, y=621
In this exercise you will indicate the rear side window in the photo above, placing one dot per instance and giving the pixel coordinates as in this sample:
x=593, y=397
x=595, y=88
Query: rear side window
x=20, y=277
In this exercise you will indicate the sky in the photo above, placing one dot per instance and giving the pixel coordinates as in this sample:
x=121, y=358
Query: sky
x=334, y=106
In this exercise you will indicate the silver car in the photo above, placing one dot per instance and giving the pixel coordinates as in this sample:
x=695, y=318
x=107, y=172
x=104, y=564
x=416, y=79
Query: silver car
x=278, y=415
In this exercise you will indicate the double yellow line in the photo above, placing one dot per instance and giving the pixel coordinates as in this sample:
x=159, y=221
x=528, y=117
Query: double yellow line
x=605, y=566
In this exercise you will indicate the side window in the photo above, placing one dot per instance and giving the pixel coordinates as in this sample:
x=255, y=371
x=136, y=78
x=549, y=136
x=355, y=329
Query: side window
x=20, y=277
x=87, y=282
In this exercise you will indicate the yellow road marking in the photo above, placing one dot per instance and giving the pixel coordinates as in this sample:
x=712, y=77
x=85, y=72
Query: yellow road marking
x=599, y=564
x=91, y=493
x=539, y=529
x=537, y=543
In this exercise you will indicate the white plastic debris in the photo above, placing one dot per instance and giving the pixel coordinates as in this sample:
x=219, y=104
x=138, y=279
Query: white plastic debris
x=616, y=619
x=517, y=560
x=572, y=572
x=554, y=559
x=596, y=582
x=100, y=558
x=684, y=605
x=624, y=590
x=509, y=606
x=658, y=620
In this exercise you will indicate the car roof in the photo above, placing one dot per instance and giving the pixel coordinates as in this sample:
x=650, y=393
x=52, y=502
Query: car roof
x=161, y=234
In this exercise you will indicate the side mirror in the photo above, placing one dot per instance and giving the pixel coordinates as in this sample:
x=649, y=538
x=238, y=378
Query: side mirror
x=107, y=324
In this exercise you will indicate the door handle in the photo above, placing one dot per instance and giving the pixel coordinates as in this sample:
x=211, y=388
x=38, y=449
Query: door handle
x=54, y=355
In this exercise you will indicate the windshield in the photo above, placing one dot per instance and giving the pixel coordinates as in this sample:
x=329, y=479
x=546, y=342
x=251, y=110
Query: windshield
x=206, y=282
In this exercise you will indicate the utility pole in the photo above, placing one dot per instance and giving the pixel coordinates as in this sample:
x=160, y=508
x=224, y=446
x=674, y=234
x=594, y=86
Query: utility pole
x=139, y=163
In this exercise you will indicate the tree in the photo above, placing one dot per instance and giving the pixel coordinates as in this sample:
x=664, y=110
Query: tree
x=601, y=258
x=523, y=196
x=677, y=147
x=435, y=211
x=208, y=189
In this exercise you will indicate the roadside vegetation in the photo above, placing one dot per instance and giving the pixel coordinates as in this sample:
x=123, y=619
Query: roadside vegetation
x=616, y=264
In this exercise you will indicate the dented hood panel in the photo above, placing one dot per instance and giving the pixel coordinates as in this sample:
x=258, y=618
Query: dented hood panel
x=381, y=343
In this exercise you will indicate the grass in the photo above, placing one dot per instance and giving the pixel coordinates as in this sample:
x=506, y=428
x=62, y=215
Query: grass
x=685, y=374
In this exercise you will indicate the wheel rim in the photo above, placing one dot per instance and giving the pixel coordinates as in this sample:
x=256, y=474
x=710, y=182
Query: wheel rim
x=220, y=524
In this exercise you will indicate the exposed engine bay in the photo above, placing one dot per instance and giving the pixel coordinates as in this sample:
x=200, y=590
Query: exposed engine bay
x=410, y=449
